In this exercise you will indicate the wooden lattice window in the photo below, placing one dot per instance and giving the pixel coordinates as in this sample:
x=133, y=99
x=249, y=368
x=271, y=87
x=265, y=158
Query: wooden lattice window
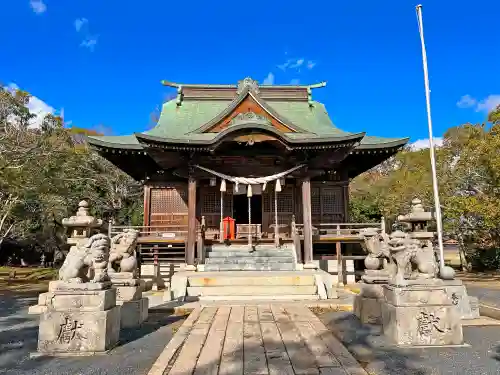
x=168, y=200
x=331, y=200
x=285, y=200
x=316, y=201
x=210, y=201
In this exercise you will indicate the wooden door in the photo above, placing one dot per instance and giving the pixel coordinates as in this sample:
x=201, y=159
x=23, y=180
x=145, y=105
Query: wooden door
x=168, y=207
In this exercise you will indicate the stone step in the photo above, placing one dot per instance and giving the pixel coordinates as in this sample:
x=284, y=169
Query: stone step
x=271, y=266
x=261, y=298
x=244, y=290
x=260, y=253
x=222, y=247
x=248, y=260
x=251, y=279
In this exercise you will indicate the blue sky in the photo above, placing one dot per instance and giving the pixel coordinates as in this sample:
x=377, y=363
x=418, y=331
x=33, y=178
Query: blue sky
x=102, y=60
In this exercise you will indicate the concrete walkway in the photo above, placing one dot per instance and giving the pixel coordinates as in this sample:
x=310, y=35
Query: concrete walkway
x=261, y=339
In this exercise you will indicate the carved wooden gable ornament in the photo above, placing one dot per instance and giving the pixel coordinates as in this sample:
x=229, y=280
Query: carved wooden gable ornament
x=248, y=108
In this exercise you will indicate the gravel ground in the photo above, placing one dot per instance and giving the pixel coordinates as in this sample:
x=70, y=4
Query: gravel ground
x=367, y=344
x=136, y=353
x=487, y=295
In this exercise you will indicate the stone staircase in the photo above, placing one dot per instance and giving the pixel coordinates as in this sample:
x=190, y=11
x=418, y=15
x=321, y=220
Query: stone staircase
x=238, y=273
x=262, y=257
x=255, y=286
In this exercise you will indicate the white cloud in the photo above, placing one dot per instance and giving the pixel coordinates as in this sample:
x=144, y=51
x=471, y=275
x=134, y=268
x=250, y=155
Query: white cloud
x=82, y=27
x=89, y=42
x=466, y=101
x=269, y=80
x=36, y=106
x=285, y=65
x=38, y=6
x=295, y=81
x=297, y=64
x=488, y=104
x=292, y=64
x=485, y=105
x=80, y=23
x=424, y=143
x=310, y=64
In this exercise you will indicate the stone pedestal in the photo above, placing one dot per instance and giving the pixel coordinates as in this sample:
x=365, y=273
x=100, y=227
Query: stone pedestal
x=420, y=315
x=80, y=319
x=134, y=308
x=368, y=303
x=41, y=307
x=467, y=306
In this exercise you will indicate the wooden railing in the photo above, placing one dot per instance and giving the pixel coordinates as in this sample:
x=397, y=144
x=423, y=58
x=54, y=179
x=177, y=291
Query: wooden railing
x=337, y=233
x=158, y=231
x=323, y=230
x=165, y=245
x=342, y=271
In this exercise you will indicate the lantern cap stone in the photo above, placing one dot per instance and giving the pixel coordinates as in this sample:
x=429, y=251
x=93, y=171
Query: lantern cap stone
x=82, y=218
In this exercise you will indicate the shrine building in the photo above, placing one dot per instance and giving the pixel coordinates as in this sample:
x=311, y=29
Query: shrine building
x=244, y=163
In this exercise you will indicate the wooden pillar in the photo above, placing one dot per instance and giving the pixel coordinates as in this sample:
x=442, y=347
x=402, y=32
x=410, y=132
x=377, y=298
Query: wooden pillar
x=191, y=237
x=200, y=242
x=345, y=191
x=340, y=263
x=147, y=206
x=307, y=221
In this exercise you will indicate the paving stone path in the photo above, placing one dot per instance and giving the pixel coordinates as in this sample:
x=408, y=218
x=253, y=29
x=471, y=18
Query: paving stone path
x=266, y=339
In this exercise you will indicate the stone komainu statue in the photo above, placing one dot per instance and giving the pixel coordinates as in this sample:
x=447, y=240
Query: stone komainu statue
x=375, y=244
x=88, y=262
x=414, y=259
x=122, y=255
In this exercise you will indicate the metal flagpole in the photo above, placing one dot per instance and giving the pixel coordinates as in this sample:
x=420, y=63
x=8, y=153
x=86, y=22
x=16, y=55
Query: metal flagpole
x=431, y=140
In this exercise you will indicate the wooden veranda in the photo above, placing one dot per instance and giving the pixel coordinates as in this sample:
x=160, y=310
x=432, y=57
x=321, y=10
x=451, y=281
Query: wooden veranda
x=164, y=247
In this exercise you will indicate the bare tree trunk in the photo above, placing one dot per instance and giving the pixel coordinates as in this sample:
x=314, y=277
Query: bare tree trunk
x=464, y=264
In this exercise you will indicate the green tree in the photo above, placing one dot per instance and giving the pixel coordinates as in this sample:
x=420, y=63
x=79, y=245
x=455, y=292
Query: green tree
x=468, y=168
x=45, y=172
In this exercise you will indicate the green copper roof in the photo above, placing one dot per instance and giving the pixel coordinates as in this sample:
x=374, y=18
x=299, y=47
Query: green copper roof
x=116, y=141
x=182, y=123
x=370, y=141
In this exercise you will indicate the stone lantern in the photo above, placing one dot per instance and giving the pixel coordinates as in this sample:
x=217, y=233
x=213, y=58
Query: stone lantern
x=82, y=225
x=418, y=220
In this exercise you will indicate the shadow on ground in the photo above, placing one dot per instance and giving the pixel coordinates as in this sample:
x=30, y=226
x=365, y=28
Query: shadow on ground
x=367, y=344
x=137, y=350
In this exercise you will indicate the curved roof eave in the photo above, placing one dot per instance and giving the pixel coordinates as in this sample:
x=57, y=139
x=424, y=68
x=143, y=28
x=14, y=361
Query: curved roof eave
x=389, y=144
x=253, y=126
x=115, y=145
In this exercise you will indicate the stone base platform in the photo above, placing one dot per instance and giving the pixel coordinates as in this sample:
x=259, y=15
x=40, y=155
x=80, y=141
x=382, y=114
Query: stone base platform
x=420, y=316
x=247, y=285
x=78, y=333
x=134, y=308
x=133, y=313
x=467, y=306
x=368, y=303
x=80, y=320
